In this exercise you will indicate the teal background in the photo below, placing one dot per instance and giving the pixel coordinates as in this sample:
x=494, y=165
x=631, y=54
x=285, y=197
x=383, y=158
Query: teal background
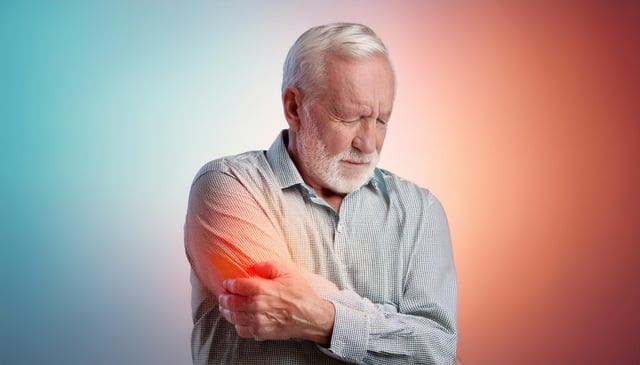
x=108, y=110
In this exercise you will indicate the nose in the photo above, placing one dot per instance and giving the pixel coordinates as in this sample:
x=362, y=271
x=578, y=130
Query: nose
x=365, y=139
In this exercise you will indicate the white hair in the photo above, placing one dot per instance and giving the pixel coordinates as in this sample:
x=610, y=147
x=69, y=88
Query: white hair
x=304, y=66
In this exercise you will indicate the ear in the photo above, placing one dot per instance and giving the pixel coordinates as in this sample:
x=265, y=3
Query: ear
x=292, y=104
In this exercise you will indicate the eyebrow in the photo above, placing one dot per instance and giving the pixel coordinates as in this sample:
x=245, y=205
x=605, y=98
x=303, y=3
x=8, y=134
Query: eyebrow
x=357, y=110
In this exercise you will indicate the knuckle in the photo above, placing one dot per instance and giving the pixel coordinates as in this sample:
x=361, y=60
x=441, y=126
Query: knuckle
x=226, y=313
x=255, y=306
x=223, y=300
x=261, y=321
x=235, y=302
x=257, y=331
x=233, y=317
x=242, y=331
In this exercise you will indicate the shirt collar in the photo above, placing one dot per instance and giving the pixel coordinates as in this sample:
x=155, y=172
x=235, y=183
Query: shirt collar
x=377, y=181
x=287, y=174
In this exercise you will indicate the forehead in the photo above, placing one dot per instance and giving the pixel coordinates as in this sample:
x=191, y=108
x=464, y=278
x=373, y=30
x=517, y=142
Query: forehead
x=359, y=81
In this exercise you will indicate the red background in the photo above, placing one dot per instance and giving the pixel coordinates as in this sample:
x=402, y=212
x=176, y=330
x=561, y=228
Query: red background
x=532, y=142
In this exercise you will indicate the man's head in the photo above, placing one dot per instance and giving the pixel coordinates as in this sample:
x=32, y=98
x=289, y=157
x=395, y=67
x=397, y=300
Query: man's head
x=338, y=90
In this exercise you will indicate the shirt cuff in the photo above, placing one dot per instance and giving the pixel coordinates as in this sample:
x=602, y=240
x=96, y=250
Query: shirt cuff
x=350, y=334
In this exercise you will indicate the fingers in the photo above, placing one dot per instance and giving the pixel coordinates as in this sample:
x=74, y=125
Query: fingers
x=253, y=325
x=260, y=316
x=246, y=332
x=279, y=302
x=269, y=269
x=252, y=331
x=238, y=318
x=266, y=272
x=243, y=310
x=243, y=286
x=241, y=303
x=234, y=302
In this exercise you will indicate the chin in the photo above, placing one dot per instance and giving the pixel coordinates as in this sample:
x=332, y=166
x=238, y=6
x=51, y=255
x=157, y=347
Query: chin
x=350, y=184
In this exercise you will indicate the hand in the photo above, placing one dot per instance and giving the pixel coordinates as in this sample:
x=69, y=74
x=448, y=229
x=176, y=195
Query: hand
x=279, y=304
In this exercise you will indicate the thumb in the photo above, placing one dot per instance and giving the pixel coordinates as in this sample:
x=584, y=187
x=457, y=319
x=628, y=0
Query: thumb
x=268, y=270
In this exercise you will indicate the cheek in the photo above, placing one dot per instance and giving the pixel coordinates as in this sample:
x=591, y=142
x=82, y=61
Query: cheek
x=338, y=144
x=336, y=141
x=382, y=133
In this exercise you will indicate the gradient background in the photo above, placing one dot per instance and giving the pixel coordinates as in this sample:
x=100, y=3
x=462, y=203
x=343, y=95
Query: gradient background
x=523, y=118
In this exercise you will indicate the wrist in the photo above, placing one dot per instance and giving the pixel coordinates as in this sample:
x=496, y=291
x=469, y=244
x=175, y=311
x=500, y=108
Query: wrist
x=322, y=329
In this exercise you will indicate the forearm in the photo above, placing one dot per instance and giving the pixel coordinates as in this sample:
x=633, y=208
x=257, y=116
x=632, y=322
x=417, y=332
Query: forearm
x=418, y=327
x=372, y=333
x=320, y=329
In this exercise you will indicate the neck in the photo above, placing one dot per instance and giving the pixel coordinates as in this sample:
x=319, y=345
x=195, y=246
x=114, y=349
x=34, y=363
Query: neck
x=333, y=199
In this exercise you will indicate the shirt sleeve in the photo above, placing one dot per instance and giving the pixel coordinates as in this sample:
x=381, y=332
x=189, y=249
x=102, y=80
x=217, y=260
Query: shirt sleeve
x=227, y=229
x=422, y=328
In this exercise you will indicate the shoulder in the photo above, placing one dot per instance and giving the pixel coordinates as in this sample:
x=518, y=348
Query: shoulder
x=410, y=201
x=238, y=167
x=407, y=191
x=417, y=207
x=231, y=178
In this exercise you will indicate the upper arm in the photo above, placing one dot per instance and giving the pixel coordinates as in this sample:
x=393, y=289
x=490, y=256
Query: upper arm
x=227, y=230
x=430, y=287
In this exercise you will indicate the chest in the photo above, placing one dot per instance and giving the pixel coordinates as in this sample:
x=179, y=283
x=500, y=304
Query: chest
x=360, y=249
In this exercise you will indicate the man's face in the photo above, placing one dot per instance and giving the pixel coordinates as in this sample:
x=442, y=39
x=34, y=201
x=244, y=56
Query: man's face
x=342, y=131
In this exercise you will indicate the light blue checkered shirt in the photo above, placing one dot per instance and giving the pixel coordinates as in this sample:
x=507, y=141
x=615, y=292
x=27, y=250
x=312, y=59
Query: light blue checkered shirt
x=388, y=250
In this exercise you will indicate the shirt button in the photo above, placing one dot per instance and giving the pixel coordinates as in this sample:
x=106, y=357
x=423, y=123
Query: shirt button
x=340, y=227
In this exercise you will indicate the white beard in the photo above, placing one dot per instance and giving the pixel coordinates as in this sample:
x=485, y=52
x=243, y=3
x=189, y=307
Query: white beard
x=329, y=170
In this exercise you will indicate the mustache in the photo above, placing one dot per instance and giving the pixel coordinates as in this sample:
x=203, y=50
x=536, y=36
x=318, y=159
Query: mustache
x=355, y=156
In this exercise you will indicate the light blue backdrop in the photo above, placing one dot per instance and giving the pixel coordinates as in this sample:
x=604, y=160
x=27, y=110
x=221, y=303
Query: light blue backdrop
x=108, y=109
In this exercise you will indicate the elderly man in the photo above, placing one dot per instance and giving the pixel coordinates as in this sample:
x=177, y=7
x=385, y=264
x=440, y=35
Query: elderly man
x=307, y=253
